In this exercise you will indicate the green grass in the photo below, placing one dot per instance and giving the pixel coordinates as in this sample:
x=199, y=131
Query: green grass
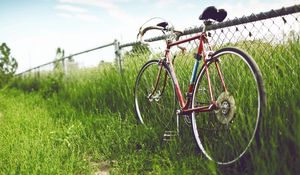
x=77, y=123
x=41, y=138
x=33, y=142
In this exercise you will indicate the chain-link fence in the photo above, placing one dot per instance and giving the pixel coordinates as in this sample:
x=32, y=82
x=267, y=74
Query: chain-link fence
x=263, y=33
x=95, y=57
x=271, y=38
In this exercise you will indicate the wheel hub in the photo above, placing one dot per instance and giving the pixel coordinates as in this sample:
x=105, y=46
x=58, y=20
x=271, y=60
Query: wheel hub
x=155, y=96
x=227, y=108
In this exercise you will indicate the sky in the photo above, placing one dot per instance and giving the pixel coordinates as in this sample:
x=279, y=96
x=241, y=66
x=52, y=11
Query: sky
x=34, y=29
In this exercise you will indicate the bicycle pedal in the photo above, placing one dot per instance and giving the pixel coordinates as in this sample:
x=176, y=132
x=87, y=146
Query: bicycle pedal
x=170, y=136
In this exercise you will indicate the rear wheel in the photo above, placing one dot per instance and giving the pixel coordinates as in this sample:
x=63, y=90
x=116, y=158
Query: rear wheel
x=225, y=134
x=155, y=105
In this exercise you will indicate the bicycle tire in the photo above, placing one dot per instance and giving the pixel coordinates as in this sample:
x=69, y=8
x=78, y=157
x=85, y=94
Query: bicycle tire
x=224, y=135
x=156, y=114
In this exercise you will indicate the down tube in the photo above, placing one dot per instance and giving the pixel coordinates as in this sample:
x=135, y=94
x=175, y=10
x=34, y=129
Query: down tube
x=177, y=88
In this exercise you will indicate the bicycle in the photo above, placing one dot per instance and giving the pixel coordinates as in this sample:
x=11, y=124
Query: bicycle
x=223, y=109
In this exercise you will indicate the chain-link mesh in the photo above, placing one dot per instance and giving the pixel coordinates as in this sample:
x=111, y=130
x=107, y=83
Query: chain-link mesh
x=271, y=38
x=272, y=42
x=67, y=64
x=252, y=33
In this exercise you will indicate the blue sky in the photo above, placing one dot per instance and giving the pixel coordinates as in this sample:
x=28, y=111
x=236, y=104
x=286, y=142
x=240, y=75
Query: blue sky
x=33, y=29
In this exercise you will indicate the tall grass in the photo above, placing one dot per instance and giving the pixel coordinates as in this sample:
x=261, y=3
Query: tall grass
x=104, y=100
x=32, y=142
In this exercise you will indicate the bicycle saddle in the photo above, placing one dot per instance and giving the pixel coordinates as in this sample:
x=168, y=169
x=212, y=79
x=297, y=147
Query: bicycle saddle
x=212, y=12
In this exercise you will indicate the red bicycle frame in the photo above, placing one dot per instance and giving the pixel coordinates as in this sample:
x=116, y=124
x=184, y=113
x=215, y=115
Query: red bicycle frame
x=185, y=104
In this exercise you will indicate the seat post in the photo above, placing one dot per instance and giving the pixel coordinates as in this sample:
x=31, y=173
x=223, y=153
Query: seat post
x=206, y=24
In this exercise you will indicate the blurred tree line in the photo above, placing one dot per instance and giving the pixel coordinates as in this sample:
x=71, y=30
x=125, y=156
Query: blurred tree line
x=8, y=64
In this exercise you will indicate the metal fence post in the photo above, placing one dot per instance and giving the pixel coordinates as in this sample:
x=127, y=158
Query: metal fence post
x=38, y=72
x=118, y=55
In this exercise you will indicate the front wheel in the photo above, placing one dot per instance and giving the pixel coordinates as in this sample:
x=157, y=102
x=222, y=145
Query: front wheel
x=155, y=99
x=225, y=134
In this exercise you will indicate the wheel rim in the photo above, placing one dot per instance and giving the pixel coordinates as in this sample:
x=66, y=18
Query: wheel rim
x=226, y=141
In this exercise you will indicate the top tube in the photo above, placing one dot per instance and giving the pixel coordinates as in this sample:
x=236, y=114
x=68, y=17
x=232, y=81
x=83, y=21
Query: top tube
x=184, y=40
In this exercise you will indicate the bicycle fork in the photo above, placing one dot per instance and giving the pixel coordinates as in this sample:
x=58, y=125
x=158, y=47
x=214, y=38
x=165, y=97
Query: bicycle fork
x=151, y=95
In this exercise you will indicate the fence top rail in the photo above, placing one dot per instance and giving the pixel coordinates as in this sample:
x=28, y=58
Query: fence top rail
x=236, y=21
x=66, y=57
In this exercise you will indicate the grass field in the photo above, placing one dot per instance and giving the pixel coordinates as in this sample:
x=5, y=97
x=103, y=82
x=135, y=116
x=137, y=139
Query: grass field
x=84, y=123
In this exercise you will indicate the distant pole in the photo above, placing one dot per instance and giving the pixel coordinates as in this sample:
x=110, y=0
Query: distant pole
x=38, y=72
x=64, y=66
x=118, y=54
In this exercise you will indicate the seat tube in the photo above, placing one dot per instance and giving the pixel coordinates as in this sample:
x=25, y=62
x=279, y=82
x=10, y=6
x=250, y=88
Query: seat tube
x=192, y=83
x=194, y=73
